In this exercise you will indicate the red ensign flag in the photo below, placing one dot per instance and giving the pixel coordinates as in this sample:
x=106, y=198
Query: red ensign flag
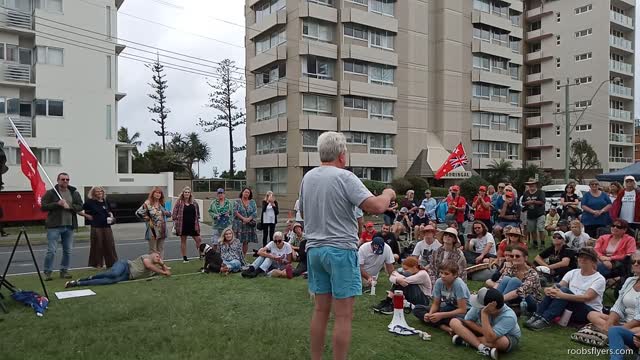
x=29, y=165
x=456, y=159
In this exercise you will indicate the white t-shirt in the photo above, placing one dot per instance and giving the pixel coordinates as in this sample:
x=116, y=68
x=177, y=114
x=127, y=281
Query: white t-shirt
x=579, y=284
x=371, y=262
x=286, y=249
x=628, y=209
x=269, y=216
x=576, y=242
x=423, y=251
x=629, y=303
x=296, y=207
x=480, y=243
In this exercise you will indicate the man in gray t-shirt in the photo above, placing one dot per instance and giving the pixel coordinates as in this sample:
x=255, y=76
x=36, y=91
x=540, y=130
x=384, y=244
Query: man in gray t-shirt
x=328, y=198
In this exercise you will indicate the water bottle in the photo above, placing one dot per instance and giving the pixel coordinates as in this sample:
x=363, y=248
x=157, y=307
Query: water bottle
x=524, y=308
x=564, y=319
x=374, y=282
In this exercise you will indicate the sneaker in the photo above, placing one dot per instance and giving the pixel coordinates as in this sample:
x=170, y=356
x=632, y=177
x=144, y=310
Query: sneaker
x=70, y=284
x=458, y=340
x=381, y=304
x=531, y=320
x=289, y=270
x=539, y=324
x=494, y=353
x=65, y=275
x=387, y=309
x=185, y=260
x=486, y=351
x=47, y=277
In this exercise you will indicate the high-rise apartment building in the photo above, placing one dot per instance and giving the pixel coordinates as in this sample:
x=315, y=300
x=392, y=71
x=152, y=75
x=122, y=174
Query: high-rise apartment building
x=407, y=80
x=61, y=90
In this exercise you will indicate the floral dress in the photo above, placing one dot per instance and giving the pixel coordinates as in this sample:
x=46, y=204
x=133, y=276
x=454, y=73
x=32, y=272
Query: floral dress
x=439, y=256
x=156, y=226
x=530, y=283
x=245, y=232
x=232, y=251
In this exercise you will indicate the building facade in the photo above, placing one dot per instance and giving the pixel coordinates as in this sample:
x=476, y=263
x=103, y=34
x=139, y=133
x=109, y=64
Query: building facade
x=63, y=94
x=408, y=80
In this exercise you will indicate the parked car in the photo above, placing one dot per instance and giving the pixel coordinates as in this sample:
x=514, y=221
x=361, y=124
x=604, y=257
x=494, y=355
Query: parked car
x=553, y=193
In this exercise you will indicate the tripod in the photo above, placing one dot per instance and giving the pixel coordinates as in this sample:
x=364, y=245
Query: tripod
x=3, y=280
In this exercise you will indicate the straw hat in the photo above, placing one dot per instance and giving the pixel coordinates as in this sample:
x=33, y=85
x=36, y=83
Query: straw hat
x=515, y=231
x=450, y=230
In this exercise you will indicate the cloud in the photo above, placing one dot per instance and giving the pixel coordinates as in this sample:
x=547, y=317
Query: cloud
x=187, y=94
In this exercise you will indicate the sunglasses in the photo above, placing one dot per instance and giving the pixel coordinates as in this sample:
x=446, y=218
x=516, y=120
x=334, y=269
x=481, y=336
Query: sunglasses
x=278, y=241
x=515, y=256
x=477, y=228
x=618, y=226
x=63, y=179
x=635, y=262
x=596, y=184
x=558, y=237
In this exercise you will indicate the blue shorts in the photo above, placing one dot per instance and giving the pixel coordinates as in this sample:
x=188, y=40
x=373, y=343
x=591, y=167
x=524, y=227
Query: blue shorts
x=334, y=271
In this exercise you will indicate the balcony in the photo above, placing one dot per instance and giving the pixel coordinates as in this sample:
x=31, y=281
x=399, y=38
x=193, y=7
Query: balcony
x=373, y=160
x=318, y=11
x=318, y=85
x=539, y=121
x=537, y=163
x=268, y=91
x=617, y=114
x=516, y=5
x=491, y=20
x=488, y=134
x=268, y=126
x=265, y=58
x=537, y=13
x=537, y=100
x=620, y=19
x=16, y=21
x=268, y=161
x=267, y=23
x=16, y=74
x=621, y=138
x=364, y=53
x=317, y=48
x=621, y=43
x=370, y=19
x=364, y=124
x=361, y=88
x=491, y=49
x=537, y=56
x=486, y=163
x=535, y=35
x=24, y=124
x=536, y=143
x=620, y=159
x=621, y=91
x=487, y=105
x=533, y=79
x=496, y=77
x=621, y=67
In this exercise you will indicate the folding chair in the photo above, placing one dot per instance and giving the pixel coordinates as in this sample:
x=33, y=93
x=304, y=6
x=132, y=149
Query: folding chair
x=619, y=274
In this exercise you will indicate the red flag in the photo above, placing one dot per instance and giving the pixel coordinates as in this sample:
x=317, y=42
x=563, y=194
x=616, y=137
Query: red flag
x=456, y=159
x=29, y=165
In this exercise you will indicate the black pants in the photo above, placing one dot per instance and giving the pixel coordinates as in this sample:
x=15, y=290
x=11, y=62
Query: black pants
x=301, y=268
x=471, y=256
x=412, y=294
x=267, y=231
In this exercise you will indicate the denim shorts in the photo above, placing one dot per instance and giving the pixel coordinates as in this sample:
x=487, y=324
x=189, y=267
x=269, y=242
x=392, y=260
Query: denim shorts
x=334, y=271
x=513, y=343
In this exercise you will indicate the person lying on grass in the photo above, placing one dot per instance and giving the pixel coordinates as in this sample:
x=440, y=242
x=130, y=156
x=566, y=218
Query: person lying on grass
x=274, y=259
x=450, y=299
x=142, y=267
x=414, y=283
x=490, y=326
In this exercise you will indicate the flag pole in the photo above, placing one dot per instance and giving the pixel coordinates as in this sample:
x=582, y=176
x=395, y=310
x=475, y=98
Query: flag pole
x=21, y=138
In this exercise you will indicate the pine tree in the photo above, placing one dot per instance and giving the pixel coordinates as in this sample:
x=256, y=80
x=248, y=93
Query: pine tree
x=159, y=108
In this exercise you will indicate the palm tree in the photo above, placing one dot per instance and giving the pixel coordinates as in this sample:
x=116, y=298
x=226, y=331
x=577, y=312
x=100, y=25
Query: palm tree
x=189, y=149
x=500, y=171
x=123, y=137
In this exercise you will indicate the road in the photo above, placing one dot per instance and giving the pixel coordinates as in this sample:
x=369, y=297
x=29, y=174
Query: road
x=126, y=249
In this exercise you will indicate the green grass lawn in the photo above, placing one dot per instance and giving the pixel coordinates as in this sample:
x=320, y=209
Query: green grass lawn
x=208, y=316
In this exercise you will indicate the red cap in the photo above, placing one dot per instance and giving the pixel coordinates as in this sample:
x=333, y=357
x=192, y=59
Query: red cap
x=455, y=188
x=482, y=188
x=369, y=224
x=508, y=194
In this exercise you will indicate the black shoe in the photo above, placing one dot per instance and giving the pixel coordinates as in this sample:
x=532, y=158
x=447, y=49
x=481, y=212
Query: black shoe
x=185, y=259
x=382, y=304
x=47, y=277
x=387, y=309
x=4, y=234
x=255, y=254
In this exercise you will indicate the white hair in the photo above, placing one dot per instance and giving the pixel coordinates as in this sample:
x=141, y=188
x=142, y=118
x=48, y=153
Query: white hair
x=278, y=234
x=330, y=145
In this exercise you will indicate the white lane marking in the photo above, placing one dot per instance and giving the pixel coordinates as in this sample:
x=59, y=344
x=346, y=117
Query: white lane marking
x=87, y=247
x=78, y=268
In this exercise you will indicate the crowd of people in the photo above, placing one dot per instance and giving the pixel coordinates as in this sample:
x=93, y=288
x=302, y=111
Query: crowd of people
x=422, y=247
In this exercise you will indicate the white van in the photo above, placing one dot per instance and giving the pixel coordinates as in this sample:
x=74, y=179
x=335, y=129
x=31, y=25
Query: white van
x=553, y=193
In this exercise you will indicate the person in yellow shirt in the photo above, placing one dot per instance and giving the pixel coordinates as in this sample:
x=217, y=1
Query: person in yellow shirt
x=551, y=221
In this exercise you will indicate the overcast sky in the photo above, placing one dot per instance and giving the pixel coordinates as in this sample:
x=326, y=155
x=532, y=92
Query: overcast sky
x=196, y=24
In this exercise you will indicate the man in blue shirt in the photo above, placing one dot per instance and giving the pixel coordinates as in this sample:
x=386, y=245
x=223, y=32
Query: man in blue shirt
x=429, y=204
x=489, y=326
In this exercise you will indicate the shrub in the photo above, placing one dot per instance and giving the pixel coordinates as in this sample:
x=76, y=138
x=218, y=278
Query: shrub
x=401, y=185
x=469, y=187
x=439, y=192
x=419, y=185
x=376, y=187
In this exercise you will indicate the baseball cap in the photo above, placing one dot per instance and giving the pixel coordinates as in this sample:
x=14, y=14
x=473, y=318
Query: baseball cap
x=588, y=252
x=421, y=207
x=220, y=191
x=404, y=210
x=377, y=245
x=629, y=177
x=455, y=188
x=429, y=228
x=486, y=296
x=508, y=194
x=482, y=188
x=369, y=224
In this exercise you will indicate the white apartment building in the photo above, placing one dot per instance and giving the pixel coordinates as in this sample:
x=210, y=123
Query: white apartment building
x=63, y=95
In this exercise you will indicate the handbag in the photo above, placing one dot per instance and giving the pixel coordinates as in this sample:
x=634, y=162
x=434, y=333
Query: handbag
x=251, y=223
x=259, y=226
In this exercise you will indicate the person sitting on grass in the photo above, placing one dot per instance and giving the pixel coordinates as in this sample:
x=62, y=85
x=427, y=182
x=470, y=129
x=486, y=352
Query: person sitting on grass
x=231, y=252
x=619, y=337
x=450, y=299
x=414, y=283
x=301, y=257
x=551, y=220
x=142, y=267
x=372, y=257
x=580, y=291
x=576, y=238
x=513, y=238
x=614, y=249
x=368, y=233
x=391, y=240
x=288, y=231
x=556, y=260
x=626, y=310
x=490, y=326
x=520, y=282
x=296, y=238
x=481, y=248
x=274, y=259
x=508, y=213
x=426, y=246
x=419, y=218
x=450, y=252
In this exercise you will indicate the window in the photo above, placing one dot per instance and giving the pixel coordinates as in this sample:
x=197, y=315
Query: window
x=271, y=74
x=377, y=174
x=514, y=70
x=481, y=119
x=356, y=31
x=583, y=9
x=481, y=149
x=557, y=130
x=558, y=153
x=322, y=2
x=515, y=44
x=380, y=109
x=109, y=123
x=317, y=30
x=109, y=75
x=46, y=156
x=269, y=41
x=514, y=98
x=514, y=152
x=355, y=67
x=516, y=18
x=108, y=20
x=317, y=104
x=12, y=53
x=268, y=7
x=380, y=144
x=271, y=144
x=482, y=62
x=557, y=85
x=490, y=92
x=584, y=80
x=49, y=5
x=271, y=110
x=513, y=124
x=310, y=140
x=490, y=34
x=355, y=103
x=583, y=104
x=356, y=138
x=274, y=179
x=49, y=55
x=495, y=7
x=361, y=2
x=381, y=74
x=583, y=33
x=381, y=38
x=317, y=67
x=583, y=127
x=49, y=107
x=557, y=40
x=583, y=57
x=558, y=17
x=557, y=107
x=494, y=121
x=557, y=62
x=384, y=7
